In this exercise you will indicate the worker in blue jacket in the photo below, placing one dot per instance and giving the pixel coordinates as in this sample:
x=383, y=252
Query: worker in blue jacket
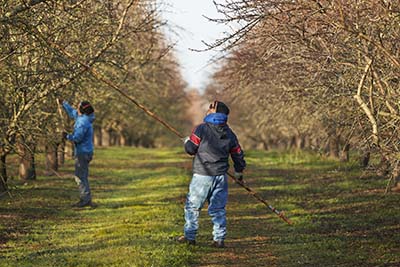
x=211, y=143
x=82, y=137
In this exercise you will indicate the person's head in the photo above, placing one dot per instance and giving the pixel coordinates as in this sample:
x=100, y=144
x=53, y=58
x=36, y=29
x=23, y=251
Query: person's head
x=85, y=108
x=218, y=107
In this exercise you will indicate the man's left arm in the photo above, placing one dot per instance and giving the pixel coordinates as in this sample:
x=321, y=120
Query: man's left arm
x=237, y=155
x=78, y=134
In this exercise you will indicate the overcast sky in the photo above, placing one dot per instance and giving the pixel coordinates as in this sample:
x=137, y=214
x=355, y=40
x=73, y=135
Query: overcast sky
x=185, y=17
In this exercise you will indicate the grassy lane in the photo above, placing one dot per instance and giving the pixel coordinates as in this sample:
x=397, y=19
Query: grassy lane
x=340, y=213
x=139, y=193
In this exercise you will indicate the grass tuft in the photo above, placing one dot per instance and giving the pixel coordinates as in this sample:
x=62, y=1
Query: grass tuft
x=341, y=216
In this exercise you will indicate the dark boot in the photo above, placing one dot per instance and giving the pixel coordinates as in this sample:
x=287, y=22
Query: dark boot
x=184, y=240
x=218, y=244
x=81, y=204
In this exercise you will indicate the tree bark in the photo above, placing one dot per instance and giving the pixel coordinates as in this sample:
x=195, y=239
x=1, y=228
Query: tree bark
x=117, y=139
x=97, y=139
x=396, y=179
x=315, y=143
x=122, y=140
x=299, y=142
x=291, y=143
x=51, y=159
x=334, y=146
x=345, y=153
x=307, y=142
x=105, y=137
x=61, y=153
x=3, y=172
x=364, y=106
x=69, y=150
x=384, y=165
x=364, y=160
x=27, y=170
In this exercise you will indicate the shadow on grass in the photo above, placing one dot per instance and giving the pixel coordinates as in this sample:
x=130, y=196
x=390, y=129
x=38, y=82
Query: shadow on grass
x=339, y=219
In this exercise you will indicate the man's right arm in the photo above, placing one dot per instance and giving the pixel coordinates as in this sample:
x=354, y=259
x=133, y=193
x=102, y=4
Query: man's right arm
x=192, y=144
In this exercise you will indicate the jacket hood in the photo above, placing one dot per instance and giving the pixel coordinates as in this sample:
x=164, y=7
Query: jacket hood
x=217, y=122
x=216, y=118
x=90, y=117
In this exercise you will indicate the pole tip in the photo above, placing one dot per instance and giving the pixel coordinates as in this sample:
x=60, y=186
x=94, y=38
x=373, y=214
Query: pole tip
x=283, y=217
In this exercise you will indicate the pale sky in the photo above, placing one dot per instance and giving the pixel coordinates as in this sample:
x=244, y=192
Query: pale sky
x=185, y=17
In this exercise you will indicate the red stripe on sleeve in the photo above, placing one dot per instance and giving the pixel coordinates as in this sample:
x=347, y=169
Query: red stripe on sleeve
x=195, y=139
x=237, y=149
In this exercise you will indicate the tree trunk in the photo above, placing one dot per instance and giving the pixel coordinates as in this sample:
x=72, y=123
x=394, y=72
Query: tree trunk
x=61, y=153
x=51, y=159
x=364, y=159
x=384, y=165
x=117, y=139
x=260, y=146
x=280, y=144
x=344, y=154
x=396, y=178
x=69, y=150
x=105, y=137
x=315, y=143
x=334, y=146
x=122, y=140
x=97, y=140
x=265, y=145
x=291, y=143
x=27, y=170
x=3, y=173
x=307, y=142
x=299, y=142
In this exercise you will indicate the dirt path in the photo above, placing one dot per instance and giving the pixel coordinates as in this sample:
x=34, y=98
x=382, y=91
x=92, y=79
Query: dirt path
x=197, y=107
x=248, y=241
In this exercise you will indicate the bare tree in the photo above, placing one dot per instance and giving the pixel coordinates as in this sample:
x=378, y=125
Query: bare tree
x=325, y=71
x=121, y=39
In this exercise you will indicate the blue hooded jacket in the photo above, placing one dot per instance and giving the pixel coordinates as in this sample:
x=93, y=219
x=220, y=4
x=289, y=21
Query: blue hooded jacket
x=83, y=130
x=211, y=143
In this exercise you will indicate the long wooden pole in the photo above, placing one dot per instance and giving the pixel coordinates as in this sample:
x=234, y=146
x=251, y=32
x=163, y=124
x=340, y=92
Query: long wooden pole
x=101, y=78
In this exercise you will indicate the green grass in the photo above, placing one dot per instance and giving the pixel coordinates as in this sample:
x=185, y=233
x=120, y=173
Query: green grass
x=340, y=213
x=139, y=211
x=341, y=216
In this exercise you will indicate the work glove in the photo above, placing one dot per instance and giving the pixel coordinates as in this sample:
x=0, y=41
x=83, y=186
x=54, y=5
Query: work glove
x=185, y=139
x=60, y=101
x=238, y=176
x=64, y=135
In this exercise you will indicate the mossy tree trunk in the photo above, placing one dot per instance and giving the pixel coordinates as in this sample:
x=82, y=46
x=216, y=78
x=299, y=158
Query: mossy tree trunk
x=51, y=159
x=3, y=172
x=27, y=170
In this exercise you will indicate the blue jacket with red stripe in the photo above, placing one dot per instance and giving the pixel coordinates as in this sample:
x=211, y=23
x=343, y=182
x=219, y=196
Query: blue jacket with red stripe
x=211, y=143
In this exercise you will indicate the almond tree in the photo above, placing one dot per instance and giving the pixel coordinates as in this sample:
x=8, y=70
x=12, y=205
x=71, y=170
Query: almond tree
x=119, y=38
x=326, y=69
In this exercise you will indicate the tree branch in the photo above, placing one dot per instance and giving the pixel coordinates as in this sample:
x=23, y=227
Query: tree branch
x=364, y=106
x=21, y=8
